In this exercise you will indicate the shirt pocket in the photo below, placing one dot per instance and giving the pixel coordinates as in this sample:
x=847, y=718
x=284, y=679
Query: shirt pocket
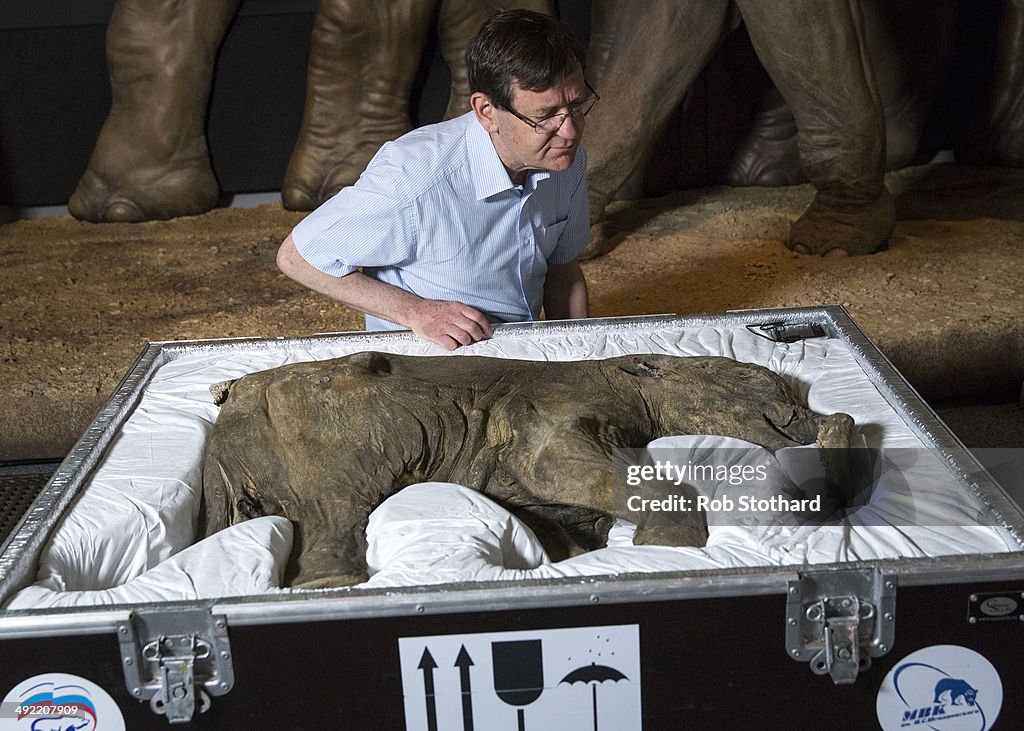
x=550, y=235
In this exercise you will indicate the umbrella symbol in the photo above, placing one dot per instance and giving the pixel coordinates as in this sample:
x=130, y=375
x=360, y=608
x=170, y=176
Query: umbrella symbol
x=593, y=673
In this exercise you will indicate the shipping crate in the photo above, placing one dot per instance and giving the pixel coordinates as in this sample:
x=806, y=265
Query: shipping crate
x=930, y=641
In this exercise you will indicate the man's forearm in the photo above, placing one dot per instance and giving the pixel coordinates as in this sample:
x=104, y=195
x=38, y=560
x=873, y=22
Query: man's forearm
x=565, y=292
x=356, y=290
x=448, y=324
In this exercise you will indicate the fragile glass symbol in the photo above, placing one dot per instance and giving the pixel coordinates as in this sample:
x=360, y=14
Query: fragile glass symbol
x=518, y=674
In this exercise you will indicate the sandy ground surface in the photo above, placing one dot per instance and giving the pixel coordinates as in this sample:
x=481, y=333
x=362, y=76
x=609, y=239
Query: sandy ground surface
x=944, y=302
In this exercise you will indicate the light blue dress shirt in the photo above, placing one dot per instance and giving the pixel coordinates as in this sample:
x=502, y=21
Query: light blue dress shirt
x=436, y=214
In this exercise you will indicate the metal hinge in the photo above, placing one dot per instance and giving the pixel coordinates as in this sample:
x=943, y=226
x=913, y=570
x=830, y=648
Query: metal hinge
x=176, y=659
x=837, y=620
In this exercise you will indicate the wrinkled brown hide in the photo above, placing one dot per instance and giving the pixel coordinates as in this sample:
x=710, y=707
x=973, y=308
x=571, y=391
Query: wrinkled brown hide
x=910, y=45
x=323, y=443
x=151, y=159
x=816, y=55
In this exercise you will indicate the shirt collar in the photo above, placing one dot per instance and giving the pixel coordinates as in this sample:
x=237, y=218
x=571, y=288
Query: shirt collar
x=489, y=174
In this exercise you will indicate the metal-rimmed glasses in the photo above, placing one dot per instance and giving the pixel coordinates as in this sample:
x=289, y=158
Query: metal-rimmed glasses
x=550, y=125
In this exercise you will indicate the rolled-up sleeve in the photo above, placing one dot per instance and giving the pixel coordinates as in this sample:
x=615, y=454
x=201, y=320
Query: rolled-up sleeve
x=369, y=224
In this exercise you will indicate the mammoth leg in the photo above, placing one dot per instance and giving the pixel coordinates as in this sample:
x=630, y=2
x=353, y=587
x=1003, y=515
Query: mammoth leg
x=998, y=139
x=909, y=44
x=670, y=41
x=151, y=159
x=817, y=56
x=459, y=22
x=362, y=62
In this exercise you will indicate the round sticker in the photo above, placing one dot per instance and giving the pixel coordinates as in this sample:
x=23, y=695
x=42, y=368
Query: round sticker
x=943, y=688
x=59, y=702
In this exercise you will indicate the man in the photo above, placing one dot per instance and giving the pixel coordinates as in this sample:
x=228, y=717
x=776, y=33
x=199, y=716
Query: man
x=475, y=220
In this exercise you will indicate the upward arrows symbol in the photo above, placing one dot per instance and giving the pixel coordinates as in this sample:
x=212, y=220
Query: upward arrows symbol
x=463, y=663
x=427, y=665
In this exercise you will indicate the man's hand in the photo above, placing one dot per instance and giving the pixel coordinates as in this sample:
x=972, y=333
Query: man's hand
x=449, y=324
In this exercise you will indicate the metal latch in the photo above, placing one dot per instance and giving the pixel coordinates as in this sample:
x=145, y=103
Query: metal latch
x=176, y=659
x=839, y=619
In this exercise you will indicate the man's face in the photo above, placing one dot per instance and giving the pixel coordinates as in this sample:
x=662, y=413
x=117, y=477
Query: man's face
x=521, y=147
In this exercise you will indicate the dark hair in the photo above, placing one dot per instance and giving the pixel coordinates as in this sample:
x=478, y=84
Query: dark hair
x=530, y=49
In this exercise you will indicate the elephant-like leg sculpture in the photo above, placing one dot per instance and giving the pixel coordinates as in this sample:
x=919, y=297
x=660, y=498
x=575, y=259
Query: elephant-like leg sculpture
x=814, y=52
x=363, y=61
x=910, y=45
x=820, y=64
x=151, y=159
x=642, y=59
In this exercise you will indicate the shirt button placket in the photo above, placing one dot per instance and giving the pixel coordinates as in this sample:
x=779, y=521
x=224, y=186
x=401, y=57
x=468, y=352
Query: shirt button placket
x=525, y=251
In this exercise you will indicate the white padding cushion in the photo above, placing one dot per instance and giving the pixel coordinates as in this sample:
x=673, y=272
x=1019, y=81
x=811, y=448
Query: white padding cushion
x=247, y=558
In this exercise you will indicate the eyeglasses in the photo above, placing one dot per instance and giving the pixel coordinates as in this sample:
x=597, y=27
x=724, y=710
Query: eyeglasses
x=550, y=125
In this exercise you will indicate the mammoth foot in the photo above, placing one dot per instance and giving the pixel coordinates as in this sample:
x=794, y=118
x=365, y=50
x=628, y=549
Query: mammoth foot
x=137, y=174
x=144, y=193
x=830, y=231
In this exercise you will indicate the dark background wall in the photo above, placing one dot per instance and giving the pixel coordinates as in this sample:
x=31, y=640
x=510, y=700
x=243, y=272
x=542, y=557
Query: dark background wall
x=55, y=93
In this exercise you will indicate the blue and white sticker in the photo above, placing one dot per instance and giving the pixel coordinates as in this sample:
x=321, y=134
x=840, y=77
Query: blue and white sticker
x=59, y=702
x=942, y=688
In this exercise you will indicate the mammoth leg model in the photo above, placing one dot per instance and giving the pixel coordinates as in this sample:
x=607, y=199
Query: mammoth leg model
x=814, y=52
x=362, y=64
x=826, y=78
x=910, y=45
x=324, y=443
x=642, y=59
x=151, y=159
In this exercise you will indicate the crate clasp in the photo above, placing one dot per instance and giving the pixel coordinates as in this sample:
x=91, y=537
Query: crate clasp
x=176, y=659
x=837, y=620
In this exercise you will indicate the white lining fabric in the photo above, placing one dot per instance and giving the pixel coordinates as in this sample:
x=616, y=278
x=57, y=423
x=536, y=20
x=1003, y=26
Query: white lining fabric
x=129, y=536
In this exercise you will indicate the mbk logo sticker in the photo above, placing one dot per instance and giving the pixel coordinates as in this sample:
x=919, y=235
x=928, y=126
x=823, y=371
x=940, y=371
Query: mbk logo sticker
x=943, y=688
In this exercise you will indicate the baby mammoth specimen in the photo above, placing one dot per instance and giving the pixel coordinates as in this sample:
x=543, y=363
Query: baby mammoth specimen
x=324, y=442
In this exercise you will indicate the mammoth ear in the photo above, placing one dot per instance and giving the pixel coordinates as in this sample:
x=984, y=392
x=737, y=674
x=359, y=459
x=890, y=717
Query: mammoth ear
x=221, y=390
